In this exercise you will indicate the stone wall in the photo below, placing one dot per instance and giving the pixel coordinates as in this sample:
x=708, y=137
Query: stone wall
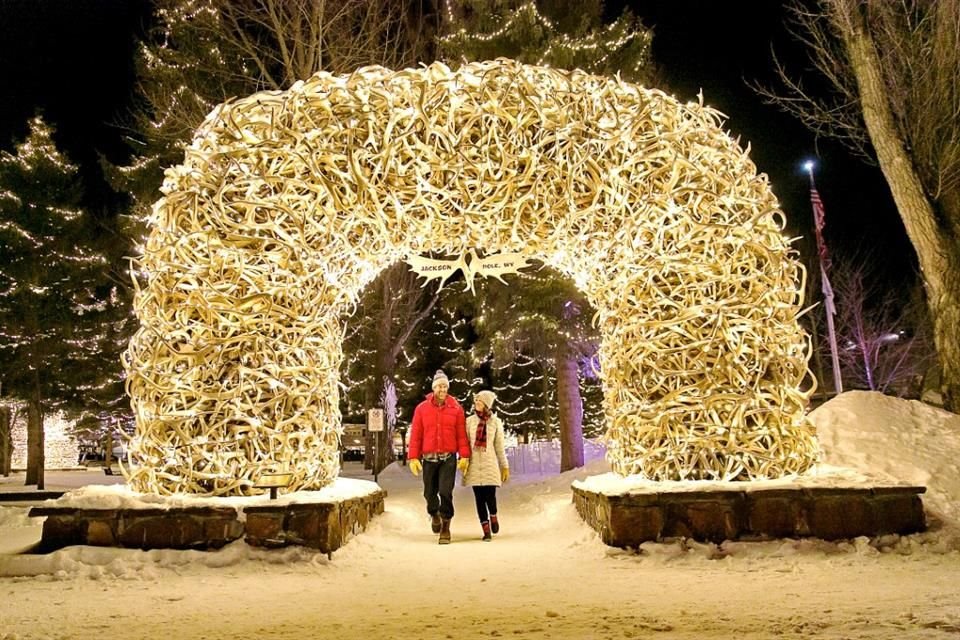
x=321, y=525
x=827, y=513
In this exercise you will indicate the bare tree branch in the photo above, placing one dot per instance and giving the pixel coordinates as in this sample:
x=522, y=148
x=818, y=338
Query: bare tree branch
x=892, y=71
x=884, y=336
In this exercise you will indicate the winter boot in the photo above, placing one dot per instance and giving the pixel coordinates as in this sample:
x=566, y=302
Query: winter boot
x=435, y=523
x=486, y=531
x=444, y=531
x=494, y=524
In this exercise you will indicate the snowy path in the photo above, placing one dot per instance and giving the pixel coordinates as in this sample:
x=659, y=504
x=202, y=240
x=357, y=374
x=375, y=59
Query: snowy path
x=545, y=576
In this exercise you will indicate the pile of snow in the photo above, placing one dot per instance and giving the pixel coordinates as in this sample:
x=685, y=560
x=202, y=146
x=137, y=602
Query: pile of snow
x=865, y=436
x=867, y=439
x=898, y=440
x=546, y=575
x=121, y=497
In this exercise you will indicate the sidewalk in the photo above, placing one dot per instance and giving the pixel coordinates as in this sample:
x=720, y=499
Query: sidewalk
x=56, y=483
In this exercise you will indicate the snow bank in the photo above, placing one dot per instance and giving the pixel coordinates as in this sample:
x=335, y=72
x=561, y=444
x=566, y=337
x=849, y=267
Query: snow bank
x=900, y=440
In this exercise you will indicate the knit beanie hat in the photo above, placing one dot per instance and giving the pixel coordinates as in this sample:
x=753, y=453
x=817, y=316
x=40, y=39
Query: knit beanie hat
x=487, y=398
x=439, y=377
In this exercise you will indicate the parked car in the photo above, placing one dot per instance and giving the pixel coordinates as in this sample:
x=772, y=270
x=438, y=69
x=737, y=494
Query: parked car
x=352, y=455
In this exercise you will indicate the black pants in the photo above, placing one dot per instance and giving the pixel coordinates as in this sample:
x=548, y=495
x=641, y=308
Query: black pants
x=438, y=479
x=486, y=497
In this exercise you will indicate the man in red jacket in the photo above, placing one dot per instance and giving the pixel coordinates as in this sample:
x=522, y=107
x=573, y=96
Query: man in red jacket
x=438, y=434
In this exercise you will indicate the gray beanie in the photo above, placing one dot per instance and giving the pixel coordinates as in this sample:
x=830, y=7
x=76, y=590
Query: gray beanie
x=487, y=398
x=439, y=377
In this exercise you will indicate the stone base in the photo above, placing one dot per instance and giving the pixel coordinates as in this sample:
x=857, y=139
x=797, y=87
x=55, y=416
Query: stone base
x=325, y=525
x=716, y=515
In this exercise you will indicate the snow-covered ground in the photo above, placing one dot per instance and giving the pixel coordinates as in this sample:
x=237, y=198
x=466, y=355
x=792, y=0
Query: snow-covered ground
x=546, y=575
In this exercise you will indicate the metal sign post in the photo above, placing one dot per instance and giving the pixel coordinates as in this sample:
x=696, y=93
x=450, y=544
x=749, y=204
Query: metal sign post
x=375, y=426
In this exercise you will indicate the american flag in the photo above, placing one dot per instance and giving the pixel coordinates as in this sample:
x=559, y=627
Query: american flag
x=818, y=224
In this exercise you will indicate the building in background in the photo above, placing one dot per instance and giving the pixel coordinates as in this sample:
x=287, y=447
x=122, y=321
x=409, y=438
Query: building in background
x=61, y=448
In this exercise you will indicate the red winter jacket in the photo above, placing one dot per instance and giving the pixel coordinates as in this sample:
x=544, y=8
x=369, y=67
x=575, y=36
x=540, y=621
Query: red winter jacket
x=438, y=429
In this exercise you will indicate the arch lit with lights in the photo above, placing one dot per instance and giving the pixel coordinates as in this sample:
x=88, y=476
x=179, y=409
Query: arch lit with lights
x=288, y=203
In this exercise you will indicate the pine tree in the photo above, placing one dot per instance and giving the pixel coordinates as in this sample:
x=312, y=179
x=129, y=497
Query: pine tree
x=58, y=306
x=444, y=343
x=546, y=320
x=557, y=33
x=591, y=389
x=531, y=342
x=521, y=401
x=540, y=317
x=200, y=53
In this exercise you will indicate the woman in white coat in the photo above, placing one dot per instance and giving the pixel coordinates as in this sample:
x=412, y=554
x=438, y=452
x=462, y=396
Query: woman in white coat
x=488, y=463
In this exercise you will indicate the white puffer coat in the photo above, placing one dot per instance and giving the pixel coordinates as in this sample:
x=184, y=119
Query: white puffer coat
x=485, y=464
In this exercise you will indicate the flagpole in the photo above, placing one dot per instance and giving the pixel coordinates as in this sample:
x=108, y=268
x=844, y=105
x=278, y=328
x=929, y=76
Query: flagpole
x=819, y=220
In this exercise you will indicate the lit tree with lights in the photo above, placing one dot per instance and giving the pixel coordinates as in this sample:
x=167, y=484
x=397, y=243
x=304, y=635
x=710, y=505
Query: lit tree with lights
x=203, y=52
x=591, y=392
x=542, y=317
x=388, y=315
x=58, y=305
x=558, y=33
x=534, y=338
x=444, y=342
x=549, y=347
x=525, y=396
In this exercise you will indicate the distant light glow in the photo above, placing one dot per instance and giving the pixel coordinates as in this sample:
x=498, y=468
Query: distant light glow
x=61, y=450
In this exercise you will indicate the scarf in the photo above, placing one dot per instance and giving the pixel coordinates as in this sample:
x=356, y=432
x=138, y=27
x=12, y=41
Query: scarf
x=480, y=441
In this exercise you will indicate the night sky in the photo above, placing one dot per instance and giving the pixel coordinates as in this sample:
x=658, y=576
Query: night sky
x=73, y=59
x=717, y=47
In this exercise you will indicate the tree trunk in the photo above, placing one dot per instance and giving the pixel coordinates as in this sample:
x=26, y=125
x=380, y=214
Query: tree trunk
x=935, y=244
x=403, y=445
x=6, y=441
x=108, y=449
x=546, y=401
x=945, y=311
x=35, y=461
x=570, y=413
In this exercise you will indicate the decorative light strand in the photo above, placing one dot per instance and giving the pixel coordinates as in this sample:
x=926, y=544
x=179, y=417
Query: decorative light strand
x=589, y=42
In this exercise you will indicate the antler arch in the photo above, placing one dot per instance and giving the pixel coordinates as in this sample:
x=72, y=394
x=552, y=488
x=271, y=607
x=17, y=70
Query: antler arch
x=289, y=203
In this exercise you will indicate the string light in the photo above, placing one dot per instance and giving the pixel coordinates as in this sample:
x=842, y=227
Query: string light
x=61, y=450
x=591, y=42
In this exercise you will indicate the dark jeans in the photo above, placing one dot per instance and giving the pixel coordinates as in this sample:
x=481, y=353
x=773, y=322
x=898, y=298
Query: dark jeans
x=438, y=479
x=486, y=497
